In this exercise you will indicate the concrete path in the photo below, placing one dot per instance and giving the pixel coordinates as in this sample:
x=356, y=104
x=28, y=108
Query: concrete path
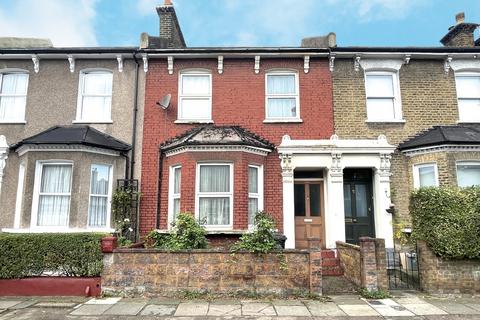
x=404, y=306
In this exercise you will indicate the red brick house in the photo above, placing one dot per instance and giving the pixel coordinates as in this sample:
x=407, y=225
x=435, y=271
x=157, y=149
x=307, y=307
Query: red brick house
x=211, y=150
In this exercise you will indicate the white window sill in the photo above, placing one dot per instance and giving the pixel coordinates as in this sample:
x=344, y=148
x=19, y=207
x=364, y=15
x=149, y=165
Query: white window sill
x=386, y=121
x=56, y=230
x=93, y=122
x=465, y=121
x=282, y=121
x=193, y=121
x=13, y=122
x=213, y=231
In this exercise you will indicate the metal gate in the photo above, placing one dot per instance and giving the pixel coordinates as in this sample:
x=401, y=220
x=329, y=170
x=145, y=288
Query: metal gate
x=402, y=268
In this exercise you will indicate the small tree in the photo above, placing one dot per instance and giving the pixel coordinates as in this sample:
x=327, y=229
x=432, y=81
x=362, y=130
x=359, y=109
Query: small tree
x=262, y=239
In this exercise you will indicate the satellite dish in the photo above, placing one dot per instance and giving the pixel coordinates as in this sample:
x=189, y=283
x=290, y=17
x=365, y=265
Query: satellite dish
x=165, y=102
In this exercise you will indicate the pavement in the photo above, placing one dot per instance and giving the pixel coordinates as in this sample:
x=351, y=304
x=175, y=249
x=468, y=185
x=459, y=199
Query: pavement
x=400, y=306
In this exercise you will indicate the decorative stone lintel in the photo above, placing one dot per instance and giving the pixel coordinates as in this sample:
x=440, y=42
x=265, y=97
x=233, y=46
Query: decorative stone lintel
x=145, y=62
x=71, y=63
x=36, y=63
x=256, y=67
x=331, y=62
x=120, y=62
x=384, y=170
x=220, y=64
x=356, y=63
x=406, y=58
x=170, y=64
x=336, y=170
x=287, y=169
x=446, y=65
x=306, y=64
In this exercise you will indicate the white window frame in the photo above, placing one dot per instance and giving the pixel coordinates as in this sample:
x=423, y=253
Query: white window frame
x=36, y=194
x=289, y=95
x=15, y=71
x=465, y=162
x=181, y=96
x=171, y=192
x=19, y=198
x=465, y=74
x=81, y=87
x=199, y=194
x=397, y=99
x=259, y=194
x=108, y=196
x=416, y=173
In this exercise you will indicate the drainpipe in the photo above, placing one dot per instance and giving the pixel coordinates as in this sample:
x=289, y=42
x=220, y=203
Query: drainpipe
x=159, y=185
x=135, y=111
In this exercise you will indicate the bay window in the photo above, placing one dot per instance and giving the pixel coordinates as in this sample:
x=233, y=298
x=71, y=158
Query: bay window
x=99, y=202
x=255, y=192
x=425, y=175
x=195, y=96
x=95, y=97
x=468, y=173
x=175, y=192
x=282, y=97
x=214, y=200
x=383, y=96
x=13, y=96
x=468, y=96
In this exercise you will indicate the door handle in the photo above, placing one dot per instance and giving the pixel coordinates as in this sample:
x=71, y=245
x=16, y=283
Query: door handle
x=307, y=220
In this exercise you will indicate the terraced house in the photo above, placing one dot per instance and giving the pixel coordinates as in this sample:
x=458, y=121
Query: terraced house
x=67, y=133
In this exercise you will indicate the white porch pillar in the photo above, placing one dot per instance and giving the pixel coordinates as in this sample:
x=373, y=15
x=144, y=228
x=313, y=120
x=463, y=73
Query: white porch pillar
x=335, y=215
x=288, y=201
x=383, y=219
x=3, y=157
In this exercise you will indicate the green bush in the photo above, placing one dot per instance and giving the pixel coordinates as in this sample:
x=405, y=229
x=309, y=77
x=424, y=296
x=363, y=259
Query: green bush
x=262, y=239
x=448, y=220
x=186, y=234
x=74, y=254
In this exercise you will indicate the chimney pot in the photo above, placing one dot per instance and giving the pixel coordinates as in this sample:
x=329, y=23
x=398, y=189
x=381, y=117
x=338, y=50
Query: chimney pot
x=460, y=17
x=168, y=3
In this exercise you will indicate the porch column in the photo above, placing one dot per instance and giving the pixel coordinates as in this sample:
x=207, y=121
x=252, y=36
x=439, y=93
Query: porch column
x=383, y=219
x=288, y=200
x=335, y=215
x=3, y=158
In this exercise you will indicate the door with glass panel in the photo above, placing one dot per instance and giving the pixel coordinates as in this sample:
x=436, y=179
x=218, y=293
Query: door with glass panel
x=358, y=204
x=309, y=212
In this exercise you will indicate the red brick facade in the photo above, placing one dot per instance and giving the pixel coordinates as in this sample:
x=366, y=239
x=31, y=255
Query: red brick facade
x=238, y=98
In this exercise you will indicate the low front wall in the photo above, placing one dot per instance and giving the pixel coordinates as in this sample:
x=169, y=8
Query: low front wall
x=439, y=275
x=350, y=261
x=156, y=272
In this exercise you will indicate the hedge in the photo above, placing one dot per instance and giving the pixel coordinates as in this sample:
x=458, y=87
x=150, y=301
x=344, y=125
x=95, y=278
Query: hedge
x=448, y=220
x=73, y=254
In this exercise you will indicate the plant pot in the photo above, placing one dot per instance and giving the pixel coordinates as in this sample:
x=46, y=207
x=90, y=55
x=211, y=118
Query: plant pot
x=280, y=238
x=109, y=243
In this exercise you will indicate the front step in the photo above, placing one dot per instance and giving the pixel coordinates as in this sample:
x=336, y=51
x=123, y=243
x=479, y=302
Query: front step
x=330, y=264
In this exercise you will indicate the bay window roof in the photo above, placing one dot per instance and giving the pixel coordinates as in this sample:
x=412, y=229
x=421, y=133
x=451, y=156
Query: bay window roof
x=444, y=135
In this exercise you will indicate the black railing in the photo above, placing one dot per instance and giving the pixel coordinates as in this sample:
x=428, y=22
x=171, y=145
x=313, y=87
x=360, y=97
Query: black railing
x=402, y=268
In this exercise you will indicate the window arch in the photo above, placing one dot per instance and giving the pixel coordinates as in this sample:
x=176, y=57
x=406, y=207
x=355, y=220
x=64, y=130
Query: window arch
x=195, y=95
x=95, y=96
x=13, y=95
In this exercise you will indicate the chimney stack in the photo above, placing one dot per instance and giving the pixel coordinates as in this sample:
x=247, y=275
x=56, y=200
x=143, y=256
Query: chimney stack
x=461, y=34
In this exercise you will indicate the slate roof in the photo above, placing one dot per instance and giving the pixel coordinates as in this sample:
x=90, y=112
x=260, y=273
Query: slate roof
x=209, y=135
x=441, y=135
x=75, y=134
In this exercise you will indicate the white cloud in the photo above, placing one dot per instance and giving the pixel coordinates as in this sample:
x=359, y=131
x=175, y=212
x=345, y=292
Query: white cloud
x=66, y=22
x=146, y=7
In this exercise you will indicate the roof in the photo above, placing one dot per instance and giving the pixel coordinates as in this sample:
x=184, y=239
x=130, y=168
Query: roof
x=442, y=135
x=75, y=134
x=217, y=135
x=456, y=29
x=14, y=42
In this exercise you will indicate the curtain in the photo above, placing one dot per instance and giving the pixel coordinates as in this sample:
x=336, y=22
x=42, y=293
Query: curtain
x=176, y=208
x=427, y=176
x=282, y=108
x=281, y=84
x=252, y=209
x=99, y=187
x=97, y=96
x=216, y=211
x=196, y=84
x=54, y=198
x=468, y=86
x=177, y=180
x=379, y=86
x=12, y=106
x=469, y=109
x=97, y=83
x=468, y=175
x=215, y=178
x=380, y=108
x=252, y=180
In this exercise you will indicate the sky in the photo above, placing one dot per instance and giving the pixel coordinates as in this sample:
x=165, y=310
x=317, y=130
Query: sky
x=237, y=22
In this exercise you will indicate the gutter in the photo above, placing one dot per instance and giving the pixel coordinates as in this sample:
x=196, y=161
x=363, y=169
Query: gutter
x=159, y=186
x=135, y=111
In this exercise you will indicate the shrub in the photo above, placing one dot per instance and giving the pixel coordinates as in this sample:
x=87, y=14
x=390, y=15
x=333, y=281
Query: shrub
x=74, y=254
x=186, y=233
x=262, y=239
x=448, y=220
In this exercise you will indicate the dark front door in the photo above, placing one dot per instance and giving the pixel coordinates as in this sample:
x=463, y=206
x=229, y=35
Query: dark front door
x=309, y=212
x=358, y=204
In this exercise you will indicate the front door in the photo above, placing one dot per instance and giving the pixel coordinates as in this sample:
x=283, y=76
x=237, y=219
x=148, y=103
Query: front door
x=358, y=204
x=309, y=211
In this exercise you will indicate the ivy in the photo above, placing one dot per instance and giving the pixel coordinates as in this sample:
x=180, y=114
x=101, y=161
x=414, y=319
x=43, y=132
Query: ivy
x=262, y=239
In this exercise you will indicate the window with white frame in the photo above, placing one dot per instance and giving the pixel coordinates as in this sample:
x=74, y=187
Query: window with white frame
x=468, y=95
x=282, y=98
x=468, y=173
x=383, y=96
x=215, y=194
x=13, y=96
x=53, y=192
x=99, y=205
x=195, y=96
x=95, y=96
x=175, y=192
x=255, y=192
x=425, y=175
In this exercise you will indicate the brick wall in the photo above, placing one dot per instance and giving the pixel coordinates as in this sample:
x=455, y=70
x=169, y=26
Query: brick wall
x=238, y=98
x=152, y=272
x=439, y=275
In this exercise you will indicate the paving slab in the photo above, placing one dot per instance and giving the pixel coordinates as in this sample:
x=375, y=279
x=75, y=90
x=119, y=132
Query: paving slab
x=159, y=310
x=456, y=308
x=192, y=309
x=350, y=300
x=23, y=305
x=6, y=304
x=91, y=310
x=287, y=303
x=220, y=310
x=410, y=300
x=358, y=310
x=423, y=309
x=389, y=308
x=292, y=311
x=475, y=306
x=258, y=309
x=51, y=304
x=126, y=308
x=35, y=314
x=226, y=302
x=324, y=309
x=103, y=301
